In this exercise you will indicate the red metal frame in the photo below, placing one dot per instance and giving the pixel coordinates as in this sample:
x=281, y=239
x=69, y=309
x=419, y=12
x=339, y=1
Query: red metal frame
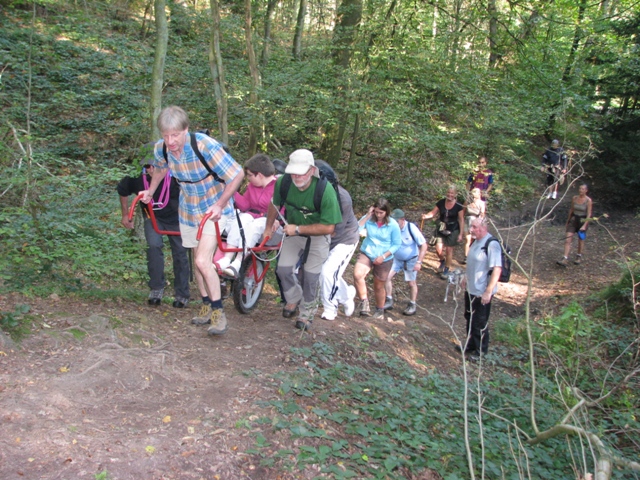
x=224, y=248
x=152, y=216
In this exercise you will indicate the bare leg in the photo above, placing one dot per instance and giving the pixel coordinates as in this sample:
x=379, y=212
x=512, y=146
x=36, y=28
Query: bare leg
x=378, y=289
x=467, y=244
x=448, y=256
x=413, y=286
x=200, y=281
x=206, y=268
x=360, y=271
x=567, y=244
x=388, y=286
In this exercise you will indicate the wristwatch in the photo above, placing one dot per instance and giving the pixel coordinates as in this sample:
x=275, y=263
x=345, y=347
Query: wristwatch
x=297, y=230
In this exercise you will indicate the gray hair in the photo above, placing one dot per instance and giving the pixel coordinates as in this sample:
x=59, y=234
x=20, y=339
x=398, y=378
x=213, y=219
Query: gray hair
x=172, y=118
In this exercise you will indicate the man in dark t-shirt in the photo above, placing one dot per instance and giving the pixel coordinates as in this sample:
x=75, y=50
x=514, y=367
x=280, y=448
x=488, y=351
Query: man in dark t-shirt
x=165, y=209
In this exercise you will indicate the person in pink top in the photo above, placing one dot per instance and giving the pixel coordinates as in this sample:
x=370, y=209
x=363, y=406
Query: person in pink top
x=252, y=207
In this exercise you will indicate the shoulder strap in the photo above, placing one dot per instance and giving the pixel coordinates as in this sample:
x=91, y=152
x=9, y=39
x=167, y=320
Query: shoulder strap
x=194, y=146
x=409, y=225
x=321, y=186
x=485, y=247
x=285, y=184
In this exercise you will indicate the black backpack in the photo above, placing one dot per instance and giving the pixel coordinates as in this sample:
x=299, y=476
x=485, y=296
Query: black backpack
x=285, y=184
x=194, y=146
x=505, y=274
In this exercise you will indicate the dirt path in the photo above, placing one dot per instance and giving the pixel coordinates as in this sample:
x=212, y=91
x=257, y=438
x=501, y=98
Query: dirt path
x=142, y=394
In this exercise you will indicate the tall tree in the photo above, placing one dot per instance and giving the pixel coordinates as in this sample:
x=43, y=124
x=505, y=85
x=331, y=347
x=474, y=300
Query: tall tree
x=255, y=82
x=344, y=37
x=494, y=55
x=217, y=71
x=157, y=74
x=266, y=45
x=297, y=37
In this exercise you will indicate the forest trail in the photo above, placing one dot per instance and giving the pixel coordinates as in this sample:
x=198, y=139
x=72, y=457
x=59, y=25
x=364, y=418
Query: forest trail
x=141, y=393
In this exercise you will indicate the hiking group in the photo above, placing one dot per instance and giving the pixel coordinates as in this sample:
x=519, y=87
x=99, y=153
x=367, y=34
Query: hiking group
x=314, y=214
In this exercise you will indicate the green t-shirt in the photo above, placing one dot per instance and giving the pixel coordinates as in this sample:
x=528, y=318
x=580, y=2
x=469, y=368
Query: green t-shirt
x=329, y=213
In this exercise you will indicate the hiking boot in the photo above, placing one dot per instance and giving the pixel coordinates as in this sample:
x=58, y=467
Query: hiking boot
x=290, y=310
x=378, y=314
x=563, y=262
x=578, y=260
x=218, y=322
x=302, y=325
x=305, y=319
x=204, y=315
x=388, y=304
x=180, y=302
x=155, y=297
x=365, y=311
x=350, y=305
x=442, y=266
x=410, y=310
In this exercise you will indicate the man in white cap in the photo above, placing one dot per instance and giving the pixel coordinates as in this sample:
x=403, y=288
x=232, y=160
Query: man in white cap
x=312, y=211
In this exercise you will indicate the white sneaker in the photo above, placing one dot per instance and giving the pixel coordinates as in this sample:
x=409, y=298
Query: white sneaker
x=549, y=195
x=328, y=315
x=554, y=195
x=350, y=305
x=223, y=263
x=233, y=269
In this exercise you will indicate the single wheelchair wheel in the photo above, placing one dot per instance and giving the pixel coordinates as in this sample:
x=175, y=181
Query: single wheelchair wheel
x=246, y=290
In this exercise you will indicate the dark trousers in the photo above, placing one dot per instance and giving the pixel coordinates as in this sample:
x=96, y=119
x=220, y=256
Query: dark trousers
x=155, y=258
x=477, y=316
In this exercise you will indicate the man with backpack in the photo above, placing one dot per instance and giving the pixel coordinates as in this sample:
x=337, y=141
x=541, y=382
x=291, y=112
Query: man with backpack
x=312, y=211
x=208, y=178
x=484, y=266
x=165, y=209
x=408, y=258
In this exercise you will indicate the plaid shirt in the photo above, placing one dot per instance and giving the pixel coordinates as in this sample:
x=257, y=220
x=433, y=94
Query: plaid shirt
x=197, y=197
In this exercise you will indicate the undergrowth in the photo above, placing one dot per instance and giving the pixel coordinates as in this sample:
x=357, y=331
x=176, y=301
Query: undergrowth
x=370, y=415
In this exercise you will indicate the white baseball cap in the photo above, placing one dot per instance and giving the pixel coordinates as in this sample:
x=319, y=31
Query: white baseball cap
x=300, y=162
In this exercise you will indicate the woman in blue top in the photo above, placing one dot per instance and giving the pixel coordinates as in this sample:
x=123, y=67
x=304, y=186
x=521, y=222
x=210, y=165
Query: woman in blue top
x=382, y=239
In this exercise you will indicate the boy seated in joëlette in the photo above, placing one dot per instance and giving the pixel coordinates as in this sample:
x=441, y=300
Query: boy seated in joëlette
x=252, y=209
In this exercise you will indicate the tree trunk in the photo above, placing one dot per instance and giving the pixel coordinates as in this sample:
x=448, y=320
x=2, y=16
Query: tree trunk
x=297, y=37
x=255, y=83
x=494, y=56
x=577, y=36
x=264, y=57
x=217, y=71
x=344, y=36
x=352, y=153
x=157, y=75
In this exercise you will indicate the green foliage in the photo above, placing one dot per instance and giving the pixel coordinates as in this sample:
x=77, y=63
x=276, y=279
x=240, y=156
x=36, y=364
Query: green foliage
x=103, y=475
x=15, y=323
x=398, y=422
x=622, y=295
x=68, y=235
